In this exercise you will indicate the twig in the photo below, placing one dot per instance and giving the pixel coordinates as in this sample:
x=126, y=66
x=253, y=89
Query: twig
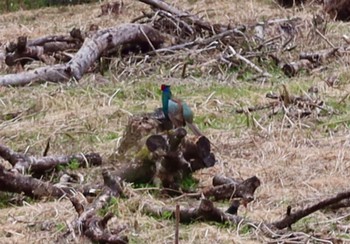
x=199, y=41
x=47, y=148
x=325, y=38
x=251, y=64
x=148, y=40
x=169, y=15
x=255, y=108
x=177, y=222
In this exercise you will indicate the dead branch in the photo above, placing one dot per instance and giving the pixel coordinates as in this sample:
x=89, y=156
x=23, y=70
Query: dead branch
x=292, y=218
x=24, y=52
x=94, y=226
x=342, y=204
x=320, y=56
x=225, y=188
x=202, y=42
x=256, y=108
x=206, y=211
x=14, y=182
x=72, y=38
x=293, y=68
x=22, y=163
x=192, y=18
x=177, y=223
x=246, y=61
x=126, y=37
x=228, y=188
x=9, y=155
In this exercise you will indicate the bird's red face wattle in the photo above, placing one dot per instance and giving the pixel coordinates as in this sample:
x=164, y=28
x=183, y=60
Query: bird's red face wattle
x=163, y=87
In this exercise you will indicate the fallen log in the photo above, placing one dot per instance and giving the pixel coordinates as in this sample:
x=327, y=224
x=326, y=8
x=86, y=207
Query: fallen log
x=22, y=163
x=127, y=37
x=14, y=182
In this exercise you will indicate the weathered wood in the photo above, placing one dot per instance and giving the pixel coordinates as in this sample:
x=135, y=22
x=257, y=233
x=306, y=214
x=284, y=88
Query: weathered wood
x=94, y=226
x=24, y=52
x=293, y=68
x=127, y=37
x=158, y=4
x=22, y=163
x=292, y=218
x=41, y=41
x=40, y=165
x=227, y=188
x=318, y=57
x=162, y=157
x=14, y=182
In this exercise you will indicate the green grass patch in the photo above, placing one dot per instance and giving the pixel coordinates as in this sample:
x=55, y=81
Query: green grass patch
x=72, y=165
x=61, y=227
x=111, y=207
x=5, y=198
x=143, y=185
x=189, y=183
x=167, y=215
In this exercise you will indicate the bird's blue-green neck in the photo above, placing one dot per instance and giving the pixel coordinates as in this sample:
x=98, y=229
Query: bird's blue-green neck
x=166, y=96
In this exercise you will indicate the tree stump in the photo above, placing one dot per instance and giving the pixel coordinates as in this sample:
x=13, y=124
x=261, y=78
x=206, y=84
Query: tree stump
x=151, y=151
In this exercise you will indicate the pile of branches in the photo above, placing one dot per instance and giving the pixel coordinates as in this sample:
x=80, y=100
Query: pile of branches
x=170, y=35
x=293, y=107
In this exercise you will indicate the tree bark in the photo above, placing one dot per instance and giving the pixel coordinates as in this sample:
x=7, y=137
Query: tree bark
x=162, y=157
x=127, y=37
x=227, y=188
x=292, y=218
x=22, y=163
x=94, y=226
x=14, y=182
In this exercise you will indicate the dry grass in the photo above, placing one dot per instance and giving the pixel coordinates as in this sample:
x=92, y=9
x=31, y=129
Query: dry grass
x=298, y=163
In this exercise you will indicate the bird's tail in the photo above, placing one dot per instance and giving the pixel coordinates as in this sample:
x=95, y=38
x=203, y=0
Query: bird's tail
x=194, y=129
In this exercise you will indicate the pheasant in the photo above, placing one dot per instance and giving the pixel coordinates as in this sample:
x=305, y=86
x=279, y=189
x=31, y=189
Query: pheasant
x=177, y=111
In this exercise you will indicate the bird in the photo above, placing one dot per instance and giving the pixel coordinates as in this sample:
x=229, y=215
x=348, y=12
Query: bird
x=177, y=111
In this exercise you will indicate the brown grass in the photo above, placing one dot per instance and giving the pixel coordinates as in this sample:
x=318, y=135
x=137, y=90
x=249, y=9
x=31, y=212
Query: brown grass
x=298, y=163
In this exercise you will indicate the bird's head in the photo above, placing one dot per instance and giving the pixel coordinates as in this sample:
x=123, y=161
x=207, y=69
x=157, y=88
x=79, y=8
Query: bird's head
x=165, y=88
